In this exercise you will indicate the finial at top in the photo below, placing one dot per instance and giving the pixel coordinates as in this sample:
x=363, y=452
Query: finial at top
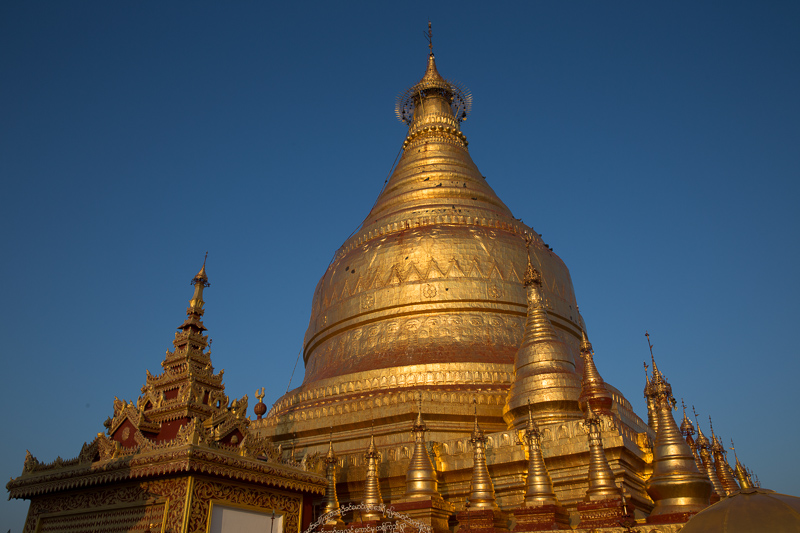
x=590, y=416
x=331, y=455
x=419, y=424
x=715, y=442
x=434, y=85
x=532, y=276
x=477, y=432
x=652, y=359
x=201, y=276
x=686, y=425
x=586, y=346
x=260, y=408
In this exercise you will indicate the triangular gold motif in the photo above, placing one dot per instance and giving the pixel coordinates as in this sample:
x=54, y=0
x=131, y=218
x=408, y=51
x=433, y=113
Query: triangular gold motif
x=495, y=273
x=394, y=277
x=475, y=269
x=434, y=271
x=454, y=271
x=413, y=273
x=512, y=274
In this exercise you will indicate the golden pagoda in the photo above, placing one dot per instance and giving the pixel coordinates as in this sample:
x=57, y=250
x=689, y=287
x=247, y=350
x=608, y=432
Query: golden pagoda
x=430, y=298
x=445, y=361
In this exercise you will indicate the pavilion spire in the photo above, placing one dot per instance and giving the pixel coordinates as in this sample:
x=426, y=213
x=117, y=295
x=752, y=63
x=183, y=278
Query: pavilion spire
x=200, y=281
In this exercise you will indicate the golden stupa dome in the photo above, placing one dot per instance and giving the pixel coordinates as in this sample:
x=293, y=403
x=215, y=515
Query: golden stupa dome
x=751, y=510
x=434, y=274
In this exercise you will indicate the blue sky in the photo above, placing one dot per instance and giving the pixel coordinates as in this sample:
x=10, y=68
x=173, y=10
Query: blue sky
x=655, y=146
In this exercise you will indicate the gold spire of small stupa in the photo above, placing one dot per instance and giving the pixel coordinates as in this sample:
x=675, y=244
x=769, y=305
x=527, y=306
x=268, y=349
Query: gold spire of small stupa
x=652, y=412
x=704, y=449
x=721, y=463
x=331, y=500
x=421, y=479
x=741, y=473
x=372, y=486
x=544, y=371
x=676, y=485
x=593, y=388
x=687, y=430
x=602, y=485
x=538, y=485
x=481, y=489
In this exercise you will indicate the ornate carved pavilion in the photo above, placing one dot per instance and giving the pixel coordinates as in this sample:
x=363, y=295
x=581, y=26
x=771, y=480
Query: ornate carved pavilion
x=170, y=457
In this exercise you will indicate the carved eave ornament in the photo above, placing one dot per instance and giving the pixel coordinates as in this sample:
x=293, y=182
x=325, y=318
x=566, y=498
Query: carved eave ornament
x=252, y=461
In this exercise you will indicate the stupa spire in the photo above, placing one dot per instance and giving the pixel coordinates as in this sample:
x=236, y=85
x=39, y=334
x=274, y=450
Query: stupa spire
x=435, y=169
x=676, y=485
x=538, y=485
x=434, y=95
x=421, y=479
x=544, y=371
x=704, y=448
x=741, y=472
x=331, y=500
x=721, y=463
x=593, y=388
x=652, y=413
x=687, y=430
x=602, y=485
x=541, y=509
x=372, y=487
x=481, y=491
